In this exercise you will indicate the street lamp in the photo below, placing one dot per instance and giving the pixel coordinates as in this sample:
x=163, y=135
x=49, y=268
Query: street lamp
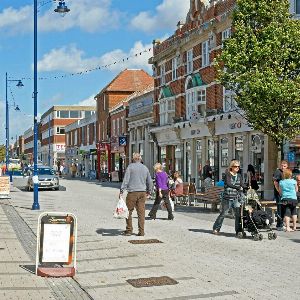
x=61, y=9
x=19, y=85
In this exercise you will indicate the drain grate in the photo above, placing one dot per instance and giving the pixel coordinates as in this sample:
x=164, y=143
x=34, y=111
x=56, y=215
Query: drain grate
x=151, y=281
x=149, y=241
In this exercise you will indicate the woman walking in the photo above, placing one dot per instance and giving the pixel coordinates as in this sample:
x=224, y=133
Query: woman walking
x=162, y=192
x=288, y=189
x=233, y=185
x=251, y=178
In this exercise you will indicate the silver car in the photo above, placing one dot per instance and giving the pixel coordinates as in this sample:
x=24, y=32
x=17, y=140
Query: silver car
x=46, y=178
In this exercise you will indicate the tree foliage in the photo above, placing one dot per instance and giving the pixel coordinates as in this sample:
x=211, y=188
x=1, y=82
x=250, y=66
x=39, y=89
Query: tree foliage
x=260, y=63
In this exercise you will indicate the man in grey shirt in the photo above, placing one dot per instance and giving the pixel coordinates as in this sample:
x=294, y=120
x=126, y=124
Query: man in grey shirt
x=138, y=183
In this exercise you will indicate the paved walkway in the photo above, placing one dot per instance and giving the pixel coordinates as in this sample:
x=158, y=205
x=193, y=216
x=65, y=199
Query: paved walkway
x=205, y=266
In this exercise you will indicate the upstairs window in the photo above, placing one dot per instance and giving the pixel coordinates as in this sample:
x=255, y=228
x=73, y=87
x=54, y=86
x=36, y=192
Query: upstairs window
x=189, y=61
x=205, y=54
x=163, y=74
x=297, y=7
x=75, y=114
x=175, y=64
x=166, y=110
x=60, y=130
x=229, y=101
x=226, y=34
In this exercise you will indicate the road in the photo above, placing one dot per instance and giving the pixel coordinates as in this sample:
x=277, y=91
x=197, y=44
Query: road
x=205, y=266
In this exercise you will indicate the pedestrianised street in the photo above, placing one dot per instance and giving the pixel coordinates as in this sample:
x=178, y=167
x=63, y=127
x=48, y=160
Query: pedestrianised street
x=202, y=264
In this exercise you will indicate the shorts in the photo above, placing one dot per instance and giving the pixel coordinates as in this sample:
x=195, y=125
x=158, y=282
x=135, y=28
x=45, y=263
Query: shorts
x=289, y=207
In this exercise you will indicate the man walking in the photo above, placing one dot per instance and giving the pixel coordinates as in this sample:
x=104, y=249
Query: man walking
x=276, y=178
x=137, y=181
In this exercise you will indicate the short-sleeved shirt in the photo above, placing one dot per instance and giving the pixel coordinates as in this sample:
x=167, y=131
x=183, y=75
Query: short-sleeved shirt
x=277, y=177
x=288, y=189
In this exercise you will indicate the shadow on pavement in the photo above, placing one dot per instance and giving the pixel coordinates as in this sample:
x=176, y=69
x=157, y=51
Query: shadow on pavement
x=296, y=240
x=227, y=234
x=23, y=207
x=109, y=232
x=23, y=189
x=29, y=268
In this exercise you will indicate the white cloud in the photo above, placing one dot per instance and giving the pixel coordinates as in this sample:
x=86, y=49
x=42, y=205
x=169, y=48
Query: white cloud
x=89, y=16
x=72, y=60
x=90, y=101
x=168, y=13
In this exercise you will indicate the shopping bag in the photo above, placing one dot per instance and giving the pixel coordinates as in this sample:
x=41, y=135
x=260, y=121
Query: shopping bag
x=163, y=205
x=121, y=211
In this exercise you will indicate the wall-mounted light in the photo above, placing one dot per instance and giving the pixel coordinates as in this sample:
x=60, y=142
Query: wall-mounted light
x=229, y=116
x=184, y=125
x=221, y=118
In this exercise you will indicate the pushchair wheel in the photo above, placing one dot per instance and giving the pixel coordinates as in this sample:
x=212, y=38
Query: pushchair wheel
x=270, y=236
x=241, y=235
x=260, y=237
x=274, y=236
x=255, y=237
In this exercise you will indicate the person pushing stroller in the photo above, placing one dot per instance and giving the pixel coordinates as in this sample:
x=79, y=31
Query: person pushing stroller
x=233, y=188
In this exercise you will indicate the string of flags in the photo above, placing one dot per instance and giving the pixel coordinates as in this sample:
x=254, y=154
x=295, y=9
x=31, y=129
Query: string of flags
x=92, y=69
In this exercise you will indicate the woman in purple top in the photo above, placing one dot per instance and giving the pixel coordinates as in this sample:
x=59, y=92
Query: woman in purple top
x=162, y=192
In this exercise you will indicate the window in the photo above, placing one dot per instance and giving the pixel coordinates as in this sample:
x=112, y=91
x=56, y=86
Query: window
x=163, y=74
x=189, y=61
x=166, y=110
x=175, y=64
x=195, y=103
x=88, y=113
x=114, y=127
x=118, y=126
x=103, y=133
x=75, y=114
x=82, y=135
x=75, y=137
x=224, y=152
x=226, y=34
x=60, y=130
x=229, y=102
x=297, y=7
x=63, y=114
x=205, y=54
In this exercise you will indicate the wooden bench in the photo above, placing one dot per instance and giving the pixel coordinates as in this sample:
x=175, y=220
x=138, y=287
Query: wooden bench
x=273, y=207
x=183, y=198
x=210, y=196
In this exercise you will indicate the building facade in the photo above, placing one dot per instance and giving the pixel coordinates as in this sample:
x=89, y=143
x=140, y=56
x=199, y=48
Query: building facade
x=52, y=128
x=140, y=121
x=123, y=85
x=197, y=119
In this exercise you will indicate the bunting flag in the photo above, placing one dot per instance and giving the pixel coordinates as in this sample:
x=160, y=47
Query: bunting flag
x=93, y=69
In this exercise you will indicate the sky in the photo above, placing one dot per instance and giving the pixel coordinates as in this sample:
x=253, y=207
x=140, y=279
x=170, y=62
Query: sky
x=95, y=33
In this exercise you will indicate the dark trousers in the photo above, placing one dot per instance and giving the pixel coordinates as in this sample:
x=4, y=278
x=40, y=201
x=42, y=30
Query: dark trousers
x=158, y=199
x=280, y=215
x=226, y=205
x=136, y=200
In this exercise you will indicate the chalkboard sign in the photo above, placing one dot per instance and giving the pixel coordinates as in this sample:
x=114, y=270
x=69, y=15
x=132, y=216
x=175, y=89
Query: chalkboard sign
x=56, y=244
x=4, y=187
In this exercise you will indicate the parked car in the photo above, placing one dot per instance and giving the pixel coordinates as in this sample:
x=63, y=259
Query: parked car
x=47, y=179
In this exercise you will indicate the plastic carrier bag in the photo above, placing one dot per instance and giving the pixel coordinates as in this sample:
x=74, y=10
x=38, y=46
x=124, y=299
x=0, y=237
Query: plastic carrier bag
x=163, y=205
x=121, y=211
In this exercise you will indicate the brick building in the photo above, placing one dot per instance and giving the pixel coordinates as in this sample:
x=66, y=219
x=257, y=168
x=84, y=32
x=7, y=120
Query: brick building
x=123, y=85
x=52, y=130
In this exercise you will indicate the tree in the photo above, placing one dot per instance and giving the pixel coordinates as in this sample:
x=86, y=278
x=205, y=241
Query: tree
x=260, y=63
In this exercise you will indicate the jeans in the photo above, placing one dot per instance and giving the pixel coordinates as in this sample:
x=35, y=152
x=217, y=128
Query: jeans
x=226, y=205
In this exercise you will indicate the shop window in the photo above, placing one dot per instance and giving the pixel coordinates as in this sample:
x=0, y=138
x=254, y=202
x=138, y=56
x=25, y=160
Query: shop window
x=224, y=152
x=239, y=147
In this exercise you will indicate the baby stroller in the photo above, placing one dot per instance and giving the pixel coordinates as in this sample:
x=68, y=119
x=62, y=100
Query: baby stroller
x=254, y=219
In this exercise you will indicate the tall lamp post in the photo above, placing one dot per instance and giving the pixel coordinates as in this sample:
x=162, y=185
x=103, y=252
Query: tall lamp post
x=61, y=9
x=19, y=84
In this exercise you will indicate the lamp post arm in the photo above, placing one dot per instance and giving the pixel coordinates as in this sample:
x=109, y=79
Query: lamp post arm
x=7, y=125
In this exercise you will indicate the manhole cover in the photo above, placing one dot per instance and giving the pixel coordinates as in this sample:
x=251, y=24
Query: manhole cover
x=150, y=241
x=152, y=281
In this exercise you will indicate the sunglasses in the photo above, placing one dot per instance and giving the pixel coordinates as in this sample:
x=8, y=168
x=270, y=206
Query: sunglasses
x=235, y=166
